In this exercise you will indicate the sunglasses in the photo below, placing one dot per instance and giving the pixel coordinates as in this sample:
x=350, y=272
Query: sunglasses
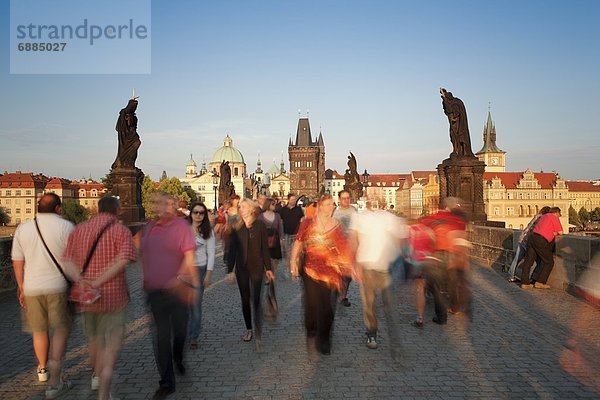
x=198, y=212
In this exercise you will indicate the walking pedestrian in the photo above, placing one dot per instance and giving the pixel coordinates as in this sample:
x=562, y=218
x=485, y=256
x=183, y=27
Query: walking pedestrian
x=168, y=251
x=344, y=214
x=274, y=226
x=42, y=288
x=204, y=264
x=322, y=256
x=291, y=215
x=104, y=247
x=249, y=255
x=379, y=236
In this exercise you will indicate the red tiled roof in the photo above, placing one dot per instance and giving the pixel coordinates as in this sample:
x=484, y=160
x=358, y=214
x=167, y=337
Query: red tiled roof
x=388, y=179
x=578, y=186
x=20, y=179
x=510, y=180
x=58, y=183
x=423, y=174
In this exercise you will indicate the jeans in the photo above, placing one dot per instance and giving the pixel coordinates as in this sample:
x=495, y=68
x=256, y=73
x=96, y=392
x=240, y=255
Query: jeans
x=171, y=319
x=196, y=309
x=520, y=254
x=437, y=278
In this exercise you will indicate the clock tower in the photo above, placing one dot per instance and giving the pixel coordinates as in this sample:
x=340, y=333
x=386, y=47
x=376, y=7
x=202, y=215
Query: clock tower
x=490, y=154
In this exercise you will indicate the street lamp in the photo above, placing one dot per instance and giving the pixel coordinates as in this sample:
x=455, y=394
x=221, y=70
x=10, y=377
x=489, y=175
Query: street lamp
x=215, y=179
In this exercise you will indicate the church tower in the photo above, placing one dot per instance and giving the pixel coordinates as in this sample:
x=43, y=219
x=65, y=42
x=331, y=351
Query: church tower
x=490, y=154
x=307, y=162
x=190, y=168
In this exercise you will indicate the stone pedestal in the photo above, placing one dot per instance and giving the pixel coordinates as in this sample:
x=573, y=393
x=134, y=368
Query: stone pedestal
x=462, y=176
x=127, y=184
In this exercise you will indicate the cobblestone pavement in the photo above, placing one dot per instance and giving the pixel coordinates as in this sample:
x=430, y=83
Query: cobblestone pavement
x=511, y=350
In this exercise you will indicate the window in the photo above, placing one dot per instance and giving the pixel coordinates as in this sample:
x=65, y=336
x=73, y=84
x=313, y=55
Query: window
x=8, y=210
x=235, y=171
x=28, y=211
x=18, y=220
x=85, y=202
x=8, y=193
x=27, y=201
x=17, y=201
x=94, y=193
x=7, y=201
x=496, y=210
x=81, y=192
x=28, y=193
x=510, y=211
x=18, y=211
x=17, y=192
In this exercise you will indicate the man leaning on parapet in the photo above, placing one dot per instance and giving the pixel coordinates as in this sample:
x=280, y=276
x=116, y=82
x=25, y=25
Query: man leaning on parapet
x=42, y=288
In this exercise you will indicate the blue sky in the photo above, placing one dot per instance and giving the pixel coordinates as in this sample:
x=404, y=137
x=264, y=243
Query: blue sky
x=368, y=71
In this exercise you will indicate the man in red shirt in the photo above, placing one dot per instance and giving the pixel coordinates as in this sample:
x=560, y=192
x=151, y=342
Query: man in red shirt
x=540, y=246
x=103, y=320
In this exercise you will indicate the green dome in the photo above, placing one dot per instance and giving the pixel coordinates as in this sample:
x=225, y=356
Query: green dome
x=228, y=153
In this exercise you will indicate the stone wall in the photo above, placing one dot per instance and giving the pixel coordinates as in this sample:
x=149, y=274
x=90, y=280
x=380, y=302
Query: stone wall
x=495, y=247
x=7, y=277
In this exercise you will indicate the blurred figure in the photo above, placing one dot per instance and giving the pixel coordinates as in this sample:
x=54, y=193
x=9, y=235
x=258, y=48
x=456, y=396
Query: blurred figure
x=182, y=209
x=232, y=218
x=249, y=255
x=436, y=268
x=104, y=320
x=168, y=251
x=379, y=236
x=42, y=288
x=459, y=292
x=322, y=256
x=419, y=250
x=274, y=226
x=260, y=200
x=344, y=213
x=522, y=247
x=581, y=356
x=540, y=246
x=291, y=215
x=311, y=209
x=204, y=263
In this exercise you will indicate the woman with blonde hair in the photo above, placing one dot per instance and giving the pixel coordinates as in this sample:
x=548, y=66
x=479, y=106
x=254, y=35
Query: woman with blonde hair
x=249, y=255
x=327, y=257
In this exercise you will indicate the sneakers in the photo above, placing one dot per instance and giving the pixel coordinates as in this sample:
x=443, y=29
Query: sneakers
x=42, y=374
x=539, y=285
x=95, y=382
x=53, y=391
x=371, y=342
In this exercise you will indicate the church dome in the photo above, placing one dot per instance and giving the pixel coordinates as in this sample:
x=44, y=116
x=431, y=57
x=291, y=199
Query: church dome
x=274, y=170
x=228, y=153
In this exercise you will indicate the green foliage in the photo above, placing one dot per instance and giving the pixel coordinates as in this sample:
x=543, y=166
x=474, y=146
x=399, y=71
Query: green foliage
x=148, y=188
x=108, y=182
x=192, y=194
x=584, y=215
x=4, y=217
x=74, y=212
x=596, y=214
x=573, y=217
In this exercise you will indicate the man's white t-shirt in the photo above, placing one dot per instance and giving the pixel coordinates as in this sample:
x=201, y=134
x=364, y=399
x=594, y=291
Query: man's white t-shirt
x=41, y=275
x=379, y=233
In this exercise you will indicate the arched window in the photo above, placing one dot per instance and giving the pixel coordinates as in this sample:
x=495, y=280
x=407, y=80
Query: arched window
x=235, y=171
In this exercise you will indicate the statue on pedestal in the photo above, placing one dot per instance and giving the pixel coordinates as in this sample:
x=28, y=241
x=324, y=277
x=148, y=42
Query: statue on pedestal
x=129, y=140
x=352, y=179
x=455, y=110
x=226, y=188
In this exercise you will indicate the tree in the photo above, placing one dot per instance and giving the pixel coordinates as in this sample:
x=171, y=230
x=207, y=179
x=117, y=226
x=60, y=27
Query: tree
x=74, y=212
x=192, y=194
x=4, y=217
x=148, y=187
x=108, y=182
x=596, y=214
x=573, y=217
x=584, y=216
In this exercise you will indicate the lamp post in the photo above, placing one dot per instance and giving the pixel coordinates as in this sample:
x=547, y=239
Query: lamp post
x=215, y=179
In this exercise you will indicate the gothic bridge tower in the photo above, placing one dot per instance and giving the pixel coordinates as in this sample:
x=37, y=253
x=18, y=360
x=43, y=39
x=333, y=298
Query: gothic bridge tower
x=307, y=162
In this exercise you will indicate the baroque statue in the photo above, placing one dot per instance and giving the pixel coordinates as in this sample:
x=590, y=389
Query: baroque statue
x=455, y=110
x=129, y=140
x=352, y=179
x=226, y=187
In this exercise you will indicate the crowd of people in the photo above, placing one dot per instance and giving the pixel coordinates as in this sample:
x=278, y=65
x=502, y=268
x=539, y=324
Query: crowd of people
x=326, y=248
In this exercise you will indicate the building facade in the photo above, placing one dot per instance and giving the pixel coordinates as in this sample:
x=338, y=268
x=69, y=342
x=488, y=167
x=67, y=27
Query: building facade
x=307, y=162
x=334, y=182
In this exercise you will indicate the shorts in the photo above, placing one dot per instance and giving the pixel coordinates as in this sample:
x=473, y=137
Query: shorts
x=45, y=312
x=106, y=327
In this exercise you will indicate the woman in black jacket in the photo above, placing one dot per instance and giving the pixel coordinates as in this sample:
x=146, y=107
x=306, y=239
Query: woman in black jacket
x=249, y=254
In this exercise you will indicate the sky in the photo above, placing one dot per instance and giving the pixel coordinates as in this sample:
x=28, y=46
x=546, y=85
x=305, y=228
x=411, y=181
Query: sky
x=369, y=73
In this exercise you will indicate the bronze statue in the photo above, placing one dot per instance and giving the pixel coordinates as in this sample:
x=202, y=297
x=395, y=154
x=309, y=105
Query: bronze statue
x=129, y=140
x=225, y=172
x=455, y=110
x=352, y=164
